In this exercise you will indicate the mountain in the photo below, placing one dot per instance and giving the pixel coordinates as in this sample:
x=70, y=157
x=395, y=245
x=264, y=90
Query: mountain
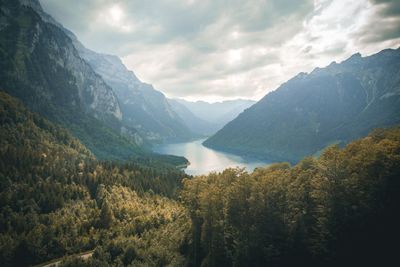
x=143, y=108
x=22, y=129
x=330, y=105
x=40, y=65
x=215, y=114
x=195, y=124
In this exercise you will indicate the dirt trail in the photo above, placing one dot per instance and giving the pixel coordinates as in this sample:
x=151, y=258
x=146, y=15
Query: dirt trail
x=56, y=262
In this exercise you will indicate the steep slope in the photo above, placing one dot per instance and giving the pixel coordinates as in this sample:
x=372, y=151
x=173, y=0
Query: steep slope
x=143, y=107
x=56, y=199
x=335, y=104
x=21, y=129
x=194, y=123
x=219, y=113
x=40, y=65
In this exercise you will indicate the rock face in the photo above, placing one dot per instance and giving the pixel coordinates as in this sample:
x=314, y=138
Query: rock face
x=335, y=104
x=96, y=96
x=41, y=66
x=143, y=107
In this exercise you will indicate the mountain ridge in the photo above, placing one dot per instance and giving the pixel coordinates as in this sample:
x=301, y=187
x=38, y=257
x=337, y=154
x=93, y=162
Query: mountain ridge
x=41, y=67
x=335, y=104
x=213, y=116
x=144, y=108
x=195, y=124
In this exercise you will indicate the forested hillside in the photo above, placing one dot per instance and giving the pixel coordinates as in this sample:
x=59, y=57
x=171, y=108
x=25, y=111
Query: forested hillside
x=338, y=210
x=56, y=199
x=80, y=187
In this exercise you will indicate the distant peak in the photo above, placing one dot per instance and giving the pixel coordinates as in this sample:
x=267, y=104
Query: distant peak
x=354, y=58
x=301, y=74
x=34, y=4
x=356, y=55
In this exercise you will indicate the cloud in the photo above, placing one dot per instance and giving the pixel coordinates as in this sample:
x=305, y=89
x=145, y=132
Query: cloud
x=384, y=22
x=390, y=7
x=224, y=49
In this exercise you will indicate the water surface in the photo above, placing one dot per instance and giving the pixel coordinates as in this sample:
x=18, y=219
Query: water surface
x=204, y=160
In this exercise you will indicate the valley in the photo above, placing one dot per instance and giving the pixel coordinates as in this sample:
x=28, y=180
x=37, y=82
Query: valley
x=199, y=133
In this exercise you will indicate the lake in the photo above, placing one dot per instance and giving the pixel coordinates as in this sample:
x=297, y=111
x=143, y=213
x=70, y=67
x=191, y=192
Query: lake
x=204, y=160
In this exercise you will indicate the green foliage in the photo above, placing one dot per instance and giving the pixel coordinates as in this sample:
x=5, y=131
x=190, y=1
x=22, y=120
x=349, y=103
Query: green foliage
x=106, y=215
x=56, y=199
x=338, y=210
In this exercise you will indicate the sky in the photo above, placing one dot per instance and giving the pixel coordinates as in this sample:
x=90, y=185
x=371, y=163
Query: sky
x=215, y=50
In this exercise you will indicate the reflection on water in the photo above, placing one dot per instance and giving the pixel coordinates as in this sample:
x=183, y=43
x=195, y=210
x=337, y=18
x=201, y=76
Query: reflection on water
x=204, y=160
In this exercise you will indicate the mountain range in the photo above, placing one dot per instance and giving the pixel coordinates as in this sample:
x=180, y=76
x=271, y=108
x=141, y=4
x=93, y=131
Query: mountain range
x=79, y=185
x=117, y=116
x=207, y=118
x=93, y=95
x=331, y=105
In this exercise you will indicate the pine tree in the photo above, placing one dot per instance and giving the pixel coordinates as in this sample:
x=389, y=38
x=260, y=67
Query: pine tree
x=106, y=215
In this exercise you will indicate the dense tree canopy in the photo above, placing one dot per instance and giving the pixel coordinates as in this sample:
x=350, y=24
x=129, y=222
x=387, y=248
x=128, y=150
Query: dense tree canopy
x=56, y=199
x=339, y=209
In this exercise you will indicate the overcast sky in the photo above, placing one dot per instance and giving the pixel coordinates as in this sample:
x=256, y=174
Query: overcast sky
x=226, y=49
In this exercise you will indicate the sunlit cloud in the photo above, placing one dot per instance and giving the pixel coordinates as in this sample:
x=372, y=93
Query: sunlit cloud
x=115, y=17
x=235, y=55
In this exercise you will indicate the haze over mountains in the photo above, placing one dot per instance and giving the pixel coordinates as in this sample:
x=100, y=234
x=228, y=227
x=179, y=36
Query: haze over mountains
x=93, y=95
x=206, y=118
x=331, y=105
x=98, y=98
x=143, y=107
x=143, y=115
